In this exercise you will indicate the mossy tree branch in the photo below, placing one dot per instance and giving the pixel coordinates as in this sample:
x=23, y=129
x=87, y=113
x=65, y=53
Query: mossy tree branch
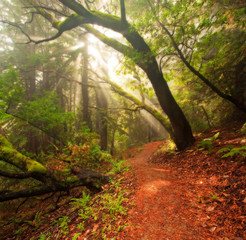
x=156, y=114
x=16, y=175
x=124, y=49
x=36, y=170
x=13, y=157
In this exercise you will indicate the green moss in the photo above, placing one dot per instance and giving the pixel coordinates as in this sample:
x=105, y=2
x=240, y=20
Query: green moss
x=107, y=17
x=65, y=171
x=70, y=22
x=72, y=179
x=10, y=155
x=4, y=142
x=34, y=166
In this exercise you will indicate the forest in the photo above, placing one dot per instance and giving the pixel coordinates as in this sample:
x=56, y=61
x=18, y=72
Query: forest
x=104, y=104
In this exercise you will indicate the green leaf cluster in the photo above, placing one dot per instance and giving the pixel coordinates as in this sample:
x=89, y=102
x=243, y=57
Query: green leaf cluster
x=11, y=91
x=45, y=112
x=232, y=151
x=63, y=225
x=207, y=143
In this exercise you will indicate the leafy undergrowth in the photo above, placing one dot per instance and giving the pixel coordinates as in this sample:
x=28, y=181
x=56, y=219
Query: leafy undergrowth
x=210, y=178
x=73, y=214
x=79, y=215
x=213, y=175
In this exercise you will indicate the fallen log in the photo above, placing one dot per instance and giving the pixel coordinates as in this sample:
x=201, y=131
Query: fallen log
x=48, y=182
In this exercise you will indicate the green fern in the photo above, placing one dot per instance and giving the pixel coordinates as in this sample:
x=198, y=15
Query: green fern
x=63, y=222
x=42, y=237
x=243, y=129
x=76, y=236
x=207, y=143
x=231, y=151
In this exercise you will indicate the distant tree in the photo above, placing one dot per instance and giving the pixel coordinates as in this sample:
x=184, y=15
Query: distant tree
x=85, y=93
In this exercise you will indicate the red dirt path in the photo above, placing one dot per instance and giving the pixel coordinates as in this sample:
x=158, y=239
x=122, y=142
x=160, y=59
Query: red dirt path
x=189, y=195
x=157, y=210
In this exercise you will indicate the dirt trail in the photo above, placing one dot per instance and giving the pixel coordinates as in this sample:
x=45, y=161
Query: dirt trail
x=157, y=212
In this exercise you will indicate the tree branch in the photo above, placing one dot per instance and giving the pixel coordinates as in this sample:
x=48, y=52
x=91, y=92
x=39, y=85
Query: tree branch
x=202, y=77
x=157, y=115
x=17, y=26
x=196, y=72
x=45, y=14
x=49, y=9
x=10, y=195
x=84, y=177
x=124, y=49
x=16, y=175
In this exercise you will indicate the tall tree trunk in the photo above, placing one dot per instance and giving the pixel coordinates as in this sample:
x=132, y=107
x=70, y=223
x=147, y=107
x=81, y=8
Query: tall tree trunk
x=102, y=123
x=145, y=59
x=33, y=141
x=112, y=141
x=182, y=134
x=239, y=88
x=85, y=93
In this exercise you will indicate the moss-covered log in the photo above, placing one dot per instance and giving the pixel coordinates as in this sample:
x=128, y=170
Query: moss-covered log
x=30, y=168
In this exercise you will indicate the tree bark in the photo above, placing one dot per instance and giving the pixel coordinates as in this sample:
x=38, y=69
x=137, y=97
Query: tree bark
x=182, y=134
x=102, y=114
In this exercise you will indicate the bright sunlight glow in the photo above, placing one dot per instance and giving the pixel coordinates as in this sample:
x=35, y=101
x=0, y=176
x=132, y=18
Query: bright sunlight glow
x=79, y=45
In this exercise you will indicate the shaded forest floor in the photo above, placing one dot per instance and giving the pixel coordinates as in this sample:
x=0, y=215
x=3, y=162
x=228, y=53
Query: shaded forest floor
x=195, y=194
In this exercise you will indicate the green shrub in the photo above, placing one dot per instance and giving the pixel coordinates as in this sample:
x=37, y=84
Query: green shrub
x=232, y=151
x=207, y=143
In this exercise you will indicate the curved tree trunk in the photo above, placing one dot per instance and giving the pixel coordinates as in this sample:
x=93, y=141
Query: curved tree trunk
x=182, y=134
x=145, y=59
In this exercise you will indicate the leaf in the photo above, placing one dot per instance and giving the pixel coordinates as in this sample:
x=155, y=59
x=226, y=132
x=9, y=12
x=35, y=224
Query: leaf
x=212, y=229
x=210, y=209
x=226, y=149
